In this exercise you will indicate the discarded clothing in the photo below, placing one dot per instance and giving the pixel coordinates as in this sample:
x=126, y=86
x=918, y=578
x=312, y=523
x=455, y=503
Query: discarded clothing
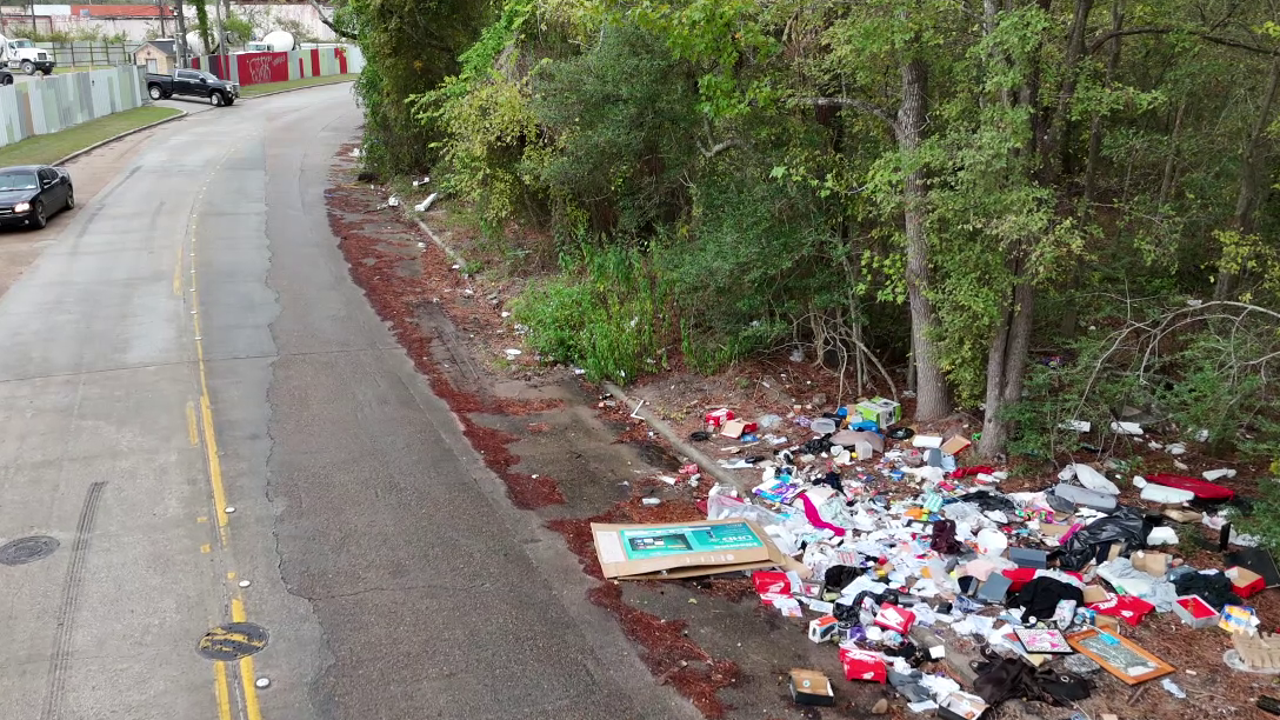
x=1157, y=591
x=815, y=518
x=965, y=472
x=1040, y=597
x=1214, y=588
x=839, y=577
x=1000, y=679
x=988, y=501
x=944, y=538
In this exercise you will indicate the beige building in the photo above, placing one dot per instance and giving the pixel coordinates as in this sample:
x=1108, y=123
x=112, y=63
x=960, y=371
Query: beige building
x=159, y=56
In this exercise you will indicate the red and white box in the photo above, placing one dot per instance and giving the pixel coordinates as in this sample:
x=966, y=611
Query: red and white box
x=1245, y=582
x=772, y=582
x=892, y=617
x=863, y=665
x=1194, y=611
x=716, y=418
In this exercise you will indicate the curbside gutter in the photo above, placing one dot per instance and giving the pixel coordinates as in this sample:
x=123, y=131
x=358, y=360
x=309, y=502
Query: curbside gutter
x=84, y=151
x=705, y=463
x=242, y=98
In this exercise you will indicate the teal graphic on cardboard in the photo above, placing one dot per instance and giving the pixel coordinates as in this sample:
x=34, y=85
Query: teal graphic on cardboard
x=647, y=543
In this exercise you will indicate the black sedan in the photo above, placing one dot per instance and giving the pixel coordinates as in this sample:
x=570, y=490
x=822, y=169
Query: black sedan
x=31, y=194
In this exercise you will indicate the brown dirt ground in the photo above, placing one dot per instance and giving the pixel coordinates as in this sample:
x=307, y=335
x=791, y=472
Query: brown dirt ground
x=708, y=638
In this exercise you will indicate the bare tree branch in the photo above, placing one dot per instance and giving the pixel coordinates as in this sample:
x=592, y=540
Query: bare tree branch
x=863, y=105
x=340, y=32
x=1101, y=40
x=717, y=148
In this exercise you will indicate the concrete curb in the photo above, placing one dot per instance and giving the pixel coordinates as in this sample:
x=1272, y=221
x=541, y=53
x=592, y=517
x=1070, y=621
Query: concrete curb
x=682, y=446
x=242, y=98
x=453, y=254
x=705, y=463
x=84, y=151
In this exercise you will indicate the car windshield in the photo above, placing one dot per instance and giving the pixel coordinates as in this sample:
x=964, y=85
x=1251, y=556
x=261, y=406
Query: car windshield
x=18, y=181
x=22, y=44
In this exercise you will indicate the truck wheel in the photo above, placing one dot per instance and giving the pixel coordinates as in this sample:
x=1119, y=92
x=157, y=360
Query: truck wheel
x=28, y=67
x=155, y=92
x=216, y=99
x=7, y=80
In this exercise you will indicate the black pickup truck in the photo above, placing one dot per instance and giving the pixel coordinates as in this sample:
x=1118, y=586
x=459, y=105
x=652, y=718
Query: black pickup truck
x=196, y=83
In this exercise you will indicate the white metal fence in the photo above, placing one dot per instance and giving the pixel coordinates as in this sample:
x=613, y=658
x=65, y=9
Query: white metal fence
x=58, y=102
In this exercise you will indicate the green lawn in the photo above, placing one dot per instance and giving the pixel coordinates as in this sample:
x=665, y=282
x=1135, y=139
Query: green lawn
x=251, y=90
x=59, y=70
x=44, y=149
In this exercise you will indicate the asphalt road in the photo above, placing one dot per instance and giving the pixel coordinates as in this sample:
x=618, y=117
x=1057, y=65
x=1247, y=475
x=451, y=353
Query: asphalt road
x=194, y=395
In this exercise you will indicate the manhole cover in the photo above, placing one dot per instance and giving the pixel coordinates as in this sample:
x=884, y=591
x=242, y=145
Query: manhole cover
x=233, y=641
x=27, y=549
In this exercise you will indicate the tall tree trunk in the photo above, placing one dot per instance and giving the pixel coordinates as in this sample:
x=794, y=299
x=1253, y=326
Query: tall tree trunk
x=1006, y=369
x=180, y=13
x=1070, y=318
x=1250, y=171
x=933, y=401
x=1171, y=161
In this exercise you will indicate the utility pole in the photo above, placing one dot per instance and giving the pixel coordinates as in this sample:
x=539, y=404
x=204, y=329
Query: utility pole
x=222, y=41
x=160, y=14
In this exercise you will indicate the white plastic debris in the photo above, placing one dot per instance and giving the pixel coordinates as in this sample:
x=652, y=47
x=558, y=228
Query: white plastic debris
x=1082, y=426
x=1172, y=687
x=356, y=152
x=1166, y=495
x=262, y=682
x=1126, y=428
x=992, y=542
x=651, y=501
x=426, y=204
x=1202, y=435
x=393, y=201
x=1216, y=475
x=423, y=181
x=244, y=583
x=229, y=509
x=1093, y=479
x=1176, y=449
x=512, y=352
x=1162, y=536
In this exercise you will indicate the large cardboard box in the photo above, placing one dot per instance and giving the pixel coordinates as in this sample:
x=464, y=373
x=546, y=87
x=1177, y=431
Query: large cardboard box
x=677, y=550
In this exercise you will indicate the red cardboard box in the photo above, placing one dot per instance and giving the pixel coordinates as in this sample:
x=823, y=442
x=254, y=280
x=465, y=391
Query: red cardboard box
x=771, y=582
x=863, y=665
x=716, y=418
x=892, y=617
x=1246, y=582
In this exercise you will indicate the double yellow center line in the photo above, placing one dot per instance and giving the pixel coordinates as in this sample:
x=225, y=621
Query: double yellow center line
x=222, y=684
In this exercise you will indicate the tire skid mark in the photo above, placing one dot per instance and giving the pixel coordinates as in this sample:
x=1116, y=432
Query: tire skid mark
x=61, y=657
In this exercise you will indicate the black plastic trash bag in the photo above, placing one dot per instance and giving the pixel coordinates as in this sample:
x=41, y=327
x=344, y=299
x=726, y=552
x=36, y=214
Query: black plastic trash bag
x=1126, y=524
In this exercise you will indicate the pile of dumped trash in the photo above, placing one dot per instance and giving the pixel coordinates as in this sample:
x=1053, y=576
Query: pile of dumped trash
x=889, y=542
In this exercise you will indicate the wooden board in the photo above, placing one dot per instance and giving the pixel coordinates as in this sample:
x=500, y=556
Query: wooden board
x=1118, y=656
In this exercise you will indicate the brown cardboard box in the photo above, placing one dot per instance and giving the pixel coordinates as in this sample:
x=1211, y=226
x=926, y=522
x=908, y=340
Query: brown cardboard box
x=1094, y=594
x=1182, y=516
x=810, y=687
x=734, y=428
x=1053, y=529
x=956, y=445
x=658, y=551
x=1152, y=563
